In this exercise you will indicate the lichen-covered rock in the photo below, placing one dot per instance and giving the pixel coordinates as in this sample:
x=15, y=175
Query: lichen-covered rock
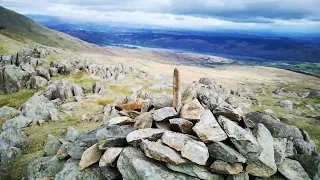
x=196, y=171
x=195, y=151
x=181, y=125
x=39, y=108
x=222, y=167
x=71, y=134
x=135, y=137
x=264, y=165
x=9, y=111
x=44, y=167
x=164, y=114
x=160, y=152
x=14, y=78
x=110, y=156
x=161, y=100
x=16, y=123
x=113, y=136
x=225, y=153
x=311, y=165
x=52, y=146
x=226, y=110
x=41, y=71
x=90, y=156
x=174, y=140
x=143, y=121
x=208, y=129
x=285, y=104
x=293, y=170
x=133, y=165
x=9, y=155
x=279, y=145
x=192, y=110
x=243, y=140
x=37, y=82
x=277, y=129
x=12, y=138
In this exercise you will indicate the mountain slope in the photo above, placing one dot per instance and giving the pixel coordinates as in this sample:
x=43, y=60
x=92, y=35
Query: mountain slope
x=22, y=29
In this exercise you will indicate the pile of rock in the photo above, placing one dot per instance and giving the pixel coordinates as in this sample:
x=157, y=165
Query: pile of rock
x=204, y=137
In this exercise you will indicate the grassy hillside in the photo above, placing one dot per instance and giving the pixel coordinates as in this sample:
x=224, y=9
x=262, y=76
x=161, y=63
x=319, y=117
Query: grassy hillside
x=22, y=29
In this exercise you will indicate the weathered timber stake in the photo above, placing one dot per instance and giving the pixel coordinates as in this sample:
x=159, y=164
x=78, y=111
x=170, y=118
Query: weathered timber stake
x=176, y=91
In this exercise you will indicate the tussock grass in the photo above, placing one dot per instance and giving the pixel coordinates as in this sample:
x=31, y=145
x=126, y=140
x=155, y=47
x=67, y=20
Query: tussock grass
x=16, y=99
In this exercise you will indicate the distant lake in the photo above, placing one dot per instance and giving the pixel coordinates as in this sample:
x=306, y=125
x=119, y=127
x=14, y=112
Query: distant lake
x=235, y=57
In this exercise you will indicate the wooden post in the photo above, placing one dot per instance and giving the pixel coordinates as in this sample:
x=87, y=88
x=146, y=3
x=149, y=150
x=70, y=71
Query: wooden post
x=176, y=91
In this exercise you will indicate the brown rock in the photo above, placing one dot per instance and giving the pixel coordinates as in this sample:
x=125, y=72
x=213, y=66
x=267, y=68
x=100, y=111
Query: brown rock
x=192, y=110
x=135, y=106
x=226, y=168
x=182, y=125
x=90, y=156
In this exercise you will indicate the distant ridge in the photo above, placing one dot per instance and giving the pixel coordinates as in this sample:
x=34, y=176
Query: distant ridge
x=22, y=29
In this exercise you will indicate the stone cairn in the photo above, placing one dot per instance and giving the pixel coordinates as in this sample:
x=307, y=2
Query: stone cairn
x=196, y=136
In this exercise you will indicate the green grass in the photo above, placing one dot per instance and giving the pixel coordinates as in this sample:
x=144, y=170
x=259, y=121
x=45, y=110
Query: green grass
x=14, y=37
x=16, y=99
x=50, y=58
x=104, y=102
x=4, y=50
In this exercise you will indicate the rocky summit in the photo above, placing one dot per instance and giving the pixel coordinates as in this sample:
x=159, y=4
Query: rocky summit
x=199, y=133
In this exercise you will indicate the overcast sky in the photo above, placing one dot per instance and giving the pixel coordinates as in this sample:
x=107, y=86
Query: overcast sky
x=274, y=15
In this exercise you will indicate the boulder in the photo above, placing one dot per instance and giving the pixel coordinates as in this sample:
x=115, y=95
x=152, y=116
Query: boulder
x=192, y=110
x=44, y=167
x=303, y=147
x=28, y=68
x=110, y=156
x=9, y=155
x=161, y=100
x=17, y=138
x=222, y=167
x=143, y=121
x=135, y=137
x=160, y=152
x=41, y=71
x=164, y=114
x=9, y=111
x=133, y=164
x=90, y=156
x=181, y=125
x=279, y=145
x=264, y=165
x=207, y=81
x=311, y=165
x=277, y=129
x=195, y=151
x=225, y=153
x=285, y=104
x=14, y=78
x=293, y=170
x=53, y=71
x=208, y=129
x=196, y=171
x=83, y=142
x=52, y=146
x=16, y=123
x=37, y=82
x=121, y=120
x=113, y=136
x=39, y=108
x=71, y=134
x=226, y=110
x=243, y=140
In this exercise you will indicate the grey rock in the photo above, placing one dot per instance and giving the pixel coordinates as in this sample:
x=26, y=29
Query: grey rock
x=121, y=120
x=175, y=140
x=208, y=129
x=53, y=71
x=44, y=167
x=279, y=145
x=225, y=153
x=160, y=152
x=97, y=88
x=52, y=146
x=9, y=111
x=195, y=151
x=28, y=68
x=311, y=165
x=90, y=156
x=39, y=108
x=227, y=111
x=207, y=81
x=16, y=123
x=222, y=167
x=196, y=171
x=314, y=94
x=9, y=155
x=37, y=82
x=277, y=129
x=181, y=125
x=264, y=166
x=161, y=101
x=285, y=104
x=41, y=71
x=243, y=140
x=83, y=142
x=12, y=137
x=192, y=110
x=293, y=170
x=110, y=156
x=113, y=135
x=303, y=147
x=14, y=78
x=164, y=114
x=71, y=134
x=134, y=165
x=143, y=121
x=109, y=112
x=268, y=111
x=240, y=176
x=135, y=137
